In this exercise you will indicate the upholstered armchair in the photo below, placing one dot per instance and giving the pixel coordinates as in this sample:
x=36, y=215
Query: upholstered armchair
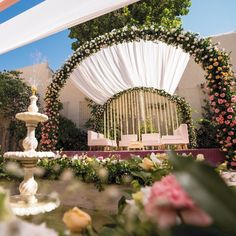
x=98, y=140
x=127, y=139
x=151, y=140
x=179, y=138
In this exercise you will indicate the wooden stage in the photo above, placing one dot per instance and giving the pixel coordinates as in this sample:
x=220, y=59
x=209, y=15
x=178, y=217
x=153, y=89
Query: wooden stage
x=213, y=155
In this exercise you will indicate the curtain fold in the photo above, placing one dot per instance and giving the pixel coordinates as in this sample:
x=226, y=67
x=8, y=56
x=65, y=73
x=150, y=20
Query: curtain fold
x=128, y=65
x=50, y=17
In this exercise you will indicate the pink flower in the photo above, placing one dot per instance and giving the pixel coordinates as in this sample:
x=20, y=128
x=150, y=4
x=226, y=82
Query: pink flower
x=228, y=145
x=222, y=95
x=168, y=200
x=233, y=98
x=211, y=97
x=229, y=117
x=220, y=119
x=220, y=101
x=230, y=109
x=217, y=110
x=234, y=140
x=233, y=163
x=100, y=158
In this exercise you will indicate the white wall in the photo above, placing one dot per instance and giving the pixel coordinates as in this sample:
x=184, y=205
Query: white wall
x=74, y=104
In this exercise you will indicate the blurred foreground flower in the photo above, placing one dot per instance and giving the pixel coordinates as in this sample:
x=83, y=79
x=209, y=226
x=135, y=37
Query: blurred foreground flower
x=76, y=220
x=10, y=225
x=168, y=201
x=5, y=210
x=19, y=227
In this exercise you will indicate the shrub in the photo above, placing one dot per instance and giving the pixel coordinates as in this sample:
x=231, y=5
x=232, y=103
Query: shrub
x=70, y=137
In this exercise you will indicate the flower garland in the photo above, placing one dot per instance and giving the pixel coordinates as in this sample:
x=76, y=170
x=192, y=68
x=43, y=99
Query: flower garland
x=184, y=109
x=213, y=61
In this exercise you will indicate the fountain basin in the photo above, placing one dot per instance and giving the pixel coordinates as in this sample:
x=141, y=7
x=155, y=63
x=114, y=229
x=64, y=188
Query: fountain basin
x=34, y=117
x=45, y=203
x=28, y=155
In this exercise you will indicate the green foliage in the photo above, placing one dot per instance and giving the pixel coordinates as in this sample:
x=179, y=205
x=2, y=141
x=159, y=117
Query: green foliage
x=206, y=133
x=147, y=127
x=14, y=94
x=161, y=13
x=109, y=171
x=14, y=98
x=70, y=137
x=95, y=121
x=91, y=170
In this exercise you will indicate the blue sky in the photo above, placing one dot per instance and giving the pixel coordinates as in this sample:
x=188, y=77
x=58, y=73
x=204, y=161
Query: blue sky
x=206, y=17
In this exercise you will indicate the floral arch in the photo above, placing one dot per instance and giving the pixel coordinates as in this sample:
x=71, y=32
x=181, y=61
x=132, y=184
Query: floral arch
x=214, y=62
x=182, y=110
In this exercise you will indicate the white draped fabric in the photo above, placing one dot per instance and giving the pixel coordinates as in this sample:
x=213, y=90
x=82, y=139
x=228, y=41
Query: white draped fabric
x=50, y=17
x=128, y=65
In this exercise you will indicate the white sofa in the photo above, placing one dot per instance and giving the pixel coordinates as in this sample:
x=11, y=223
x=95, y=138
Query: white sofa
x=151, y=140
x=98, y=140
x=180, y=137
x=127, y=139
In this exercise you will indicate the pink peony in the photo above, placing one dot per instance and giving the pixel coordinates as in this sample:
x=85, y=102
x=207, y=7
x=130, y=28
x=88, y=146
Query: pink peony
x=228, y=145
x=230, y=109
x=222, y=95
x=220, y=119
x=220, y=101
x=167, y=201
x=233, y=163
x=233, y=98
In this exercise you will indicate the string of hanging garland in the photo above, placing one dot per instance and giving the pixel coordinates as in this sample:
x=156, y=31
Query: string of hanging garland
x=183, y=107
x=214, y=61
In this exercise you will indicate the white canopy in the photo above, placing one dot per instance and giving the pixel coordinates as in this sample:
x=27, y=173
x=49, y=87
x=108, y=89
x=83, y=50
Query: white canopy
x=52, y=16
x=128, y=65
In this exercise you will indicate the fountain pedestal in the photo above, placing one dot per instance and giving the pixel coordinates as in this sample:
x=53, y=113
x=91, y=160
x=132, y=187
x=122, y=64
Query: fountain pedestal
x=28, y=202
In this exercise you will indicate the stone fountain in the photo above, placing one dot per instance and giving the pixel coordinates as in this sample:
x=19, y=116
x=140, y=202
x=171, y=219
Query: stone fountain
x=28, y=202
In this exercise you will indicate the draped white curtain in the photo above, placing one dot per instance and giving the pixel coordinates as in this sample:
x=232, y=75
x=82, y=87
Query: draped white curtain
x=50, y=17
x=128, y=65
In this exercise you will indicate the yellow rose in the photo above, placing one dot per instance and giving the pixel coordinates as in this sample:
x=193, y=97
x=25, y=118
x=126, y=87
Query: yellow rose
x=200, y=157
x=89, y=159
x=146, y=164
x=76, y=220
x=138, y=197
x=210, y=67
x=216, y=63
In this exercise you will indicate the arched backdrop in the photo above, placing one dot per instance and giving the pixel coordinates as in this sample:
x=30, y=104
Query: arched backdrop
x=214, y=61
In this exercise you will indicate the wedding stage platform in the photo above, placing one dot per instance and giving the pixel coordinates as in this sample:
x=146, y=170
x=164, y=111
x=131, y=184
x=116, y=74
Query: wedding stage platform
x=213, y=155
